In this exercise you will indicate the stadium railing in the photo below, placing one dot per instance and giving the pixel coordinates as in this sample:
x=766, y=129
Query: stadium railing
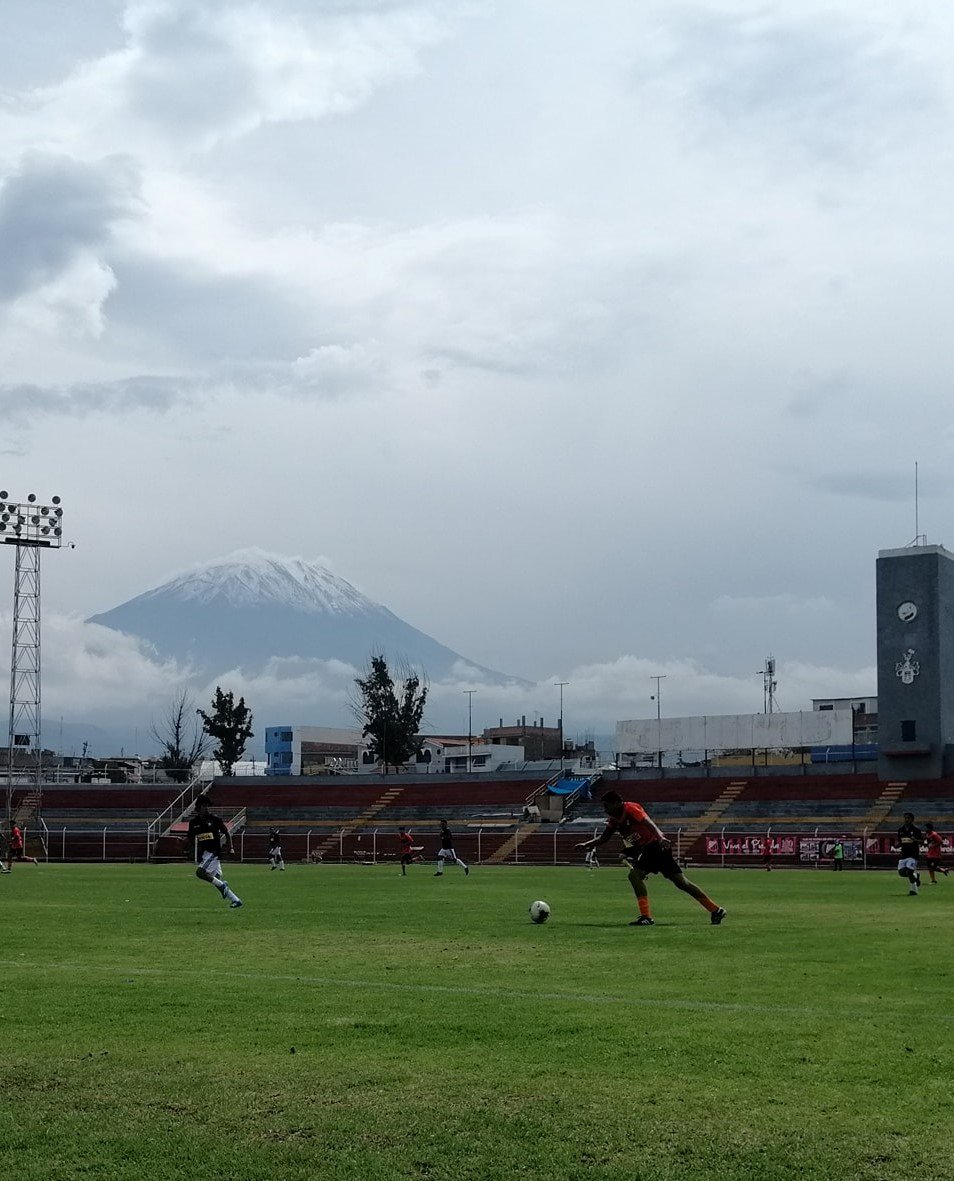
x=729, y=847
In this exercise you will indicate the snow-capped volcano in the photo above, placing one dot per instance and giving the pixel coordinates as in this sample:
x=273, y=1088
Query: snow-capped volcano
x=253, y=577
x=250, y=607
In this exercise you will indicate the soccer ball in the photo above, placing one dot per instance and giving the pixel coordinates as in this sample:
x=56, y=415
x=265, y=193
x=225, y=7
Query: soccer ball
x=539, y=911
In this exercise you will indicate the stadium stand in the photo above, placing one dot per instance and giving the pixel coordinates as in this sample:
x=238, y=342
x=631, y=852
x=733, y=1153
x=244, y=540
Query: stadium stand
x=356, y=819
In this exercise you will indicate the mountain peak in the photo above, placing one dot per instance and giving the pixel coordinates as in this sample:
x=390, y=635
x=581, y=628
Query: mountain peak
x=253, y=577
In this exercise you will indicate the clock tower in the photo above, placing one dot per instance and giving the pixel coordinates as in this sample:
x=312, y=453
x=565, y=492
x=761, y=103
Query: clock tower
x=915, y=615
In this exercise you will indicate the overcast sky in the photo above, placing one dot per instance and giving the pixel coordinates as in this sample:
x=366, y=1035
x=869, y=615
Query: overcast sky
x=596, y=340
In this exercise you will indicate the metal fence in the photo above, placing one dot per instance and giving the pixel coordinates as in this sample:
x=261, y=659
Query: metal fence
x=498, y=844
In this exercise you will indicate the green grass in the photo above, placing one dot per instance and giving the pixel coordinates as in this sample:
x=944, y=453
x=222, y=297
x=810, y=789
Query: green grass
x=350, y=1024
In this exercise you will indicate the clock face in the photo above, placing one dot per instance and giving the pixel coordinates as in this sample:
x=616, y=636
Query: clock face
x=907, y=611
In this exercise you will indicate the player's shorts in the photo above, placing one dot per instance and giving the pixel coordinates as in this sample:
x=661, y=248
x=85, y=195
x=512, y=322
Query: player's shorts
x=653, y=858
x=908, y=863
x=447, y=855
x=210, y=864
x=275, y=852
x=933, y=863
x=407, y=858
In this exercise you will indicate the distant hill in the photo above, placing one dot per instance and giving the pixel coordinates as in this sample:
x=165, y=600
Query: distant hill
x=242, y=610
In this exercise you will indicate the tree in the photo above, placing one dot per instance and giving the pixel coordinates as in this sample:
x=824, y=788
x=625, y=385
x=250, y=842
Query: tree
x=230, y=724
x=391, y=722
x=182, y=742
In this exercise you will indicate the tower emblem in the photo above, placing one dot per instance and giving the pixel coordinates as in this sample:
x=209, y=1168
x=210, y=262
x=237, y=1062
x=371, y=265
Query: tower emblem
x=907, y=668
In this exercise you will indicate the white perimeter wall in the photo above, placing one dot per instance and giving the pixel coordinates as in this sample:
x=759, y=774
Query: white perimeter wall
x=736, y=732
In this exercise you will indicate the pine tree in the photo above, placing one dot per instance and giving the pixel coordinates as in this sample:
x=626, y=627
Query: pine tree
x=230, y=724
x=391, y=722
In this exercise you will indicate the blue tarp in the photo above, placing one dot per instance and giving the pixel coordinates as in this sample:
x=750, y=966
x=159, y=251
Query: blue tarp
x=566, y=787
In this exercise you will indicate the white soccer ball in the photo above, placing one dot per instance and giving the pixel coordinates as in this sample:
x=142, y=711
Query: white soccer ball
x=539, y=911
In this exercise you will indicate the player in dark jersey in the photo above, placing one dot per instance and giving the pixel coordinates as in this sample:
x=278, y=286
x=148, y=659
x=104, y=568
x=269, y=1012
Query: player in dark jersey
x=209, y=834
x=447, y=853
x=910, y=839
x=275, y=850
x=933, y=844
x=646, y=849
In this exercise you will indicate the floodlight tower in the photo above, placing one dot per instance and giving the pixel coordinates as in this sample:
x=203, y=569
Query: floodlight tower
x=31, y=527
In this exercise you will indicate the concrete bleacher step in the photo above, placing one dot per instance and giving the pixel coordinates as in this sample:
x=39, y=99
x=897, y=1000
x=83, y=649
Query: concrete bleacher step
x=700, y=825
x=507, y=848
x=383, y=801
x=881, y=808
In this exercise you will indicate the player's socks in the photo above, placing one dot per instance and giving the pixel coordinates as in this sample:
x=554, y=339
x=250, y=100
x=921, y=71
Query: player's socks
x=707, y=902
x=644, y=911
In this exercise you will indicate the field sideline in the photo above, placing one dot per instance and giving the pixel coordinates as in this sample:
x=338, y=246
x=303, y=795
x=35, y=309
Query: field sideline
x=347, y=1023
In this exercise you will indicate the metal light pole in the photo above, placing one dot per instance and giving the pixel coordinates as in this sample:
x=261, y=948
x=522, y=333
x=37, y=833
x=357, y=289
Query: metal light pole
x=561, y=684
x=658, y=698
x=31, y=527
x=470, y=727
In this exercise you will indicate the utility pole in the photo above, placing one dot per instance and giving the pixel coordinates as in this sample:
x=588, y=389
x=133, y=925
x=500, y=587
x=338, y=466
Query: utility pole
x=657, y=697
x=562, y=685
x=470, y=727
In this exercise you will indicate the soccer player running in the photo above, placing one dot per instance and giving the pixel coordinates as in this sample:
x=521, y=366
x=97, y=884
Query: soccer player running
x=15, y=851
x=933, y=842
x=446, y=852
x=275, y=850
x=910, y=839
x=407, y=849
x=647, y=851
x=209, y=833
x=767, y=852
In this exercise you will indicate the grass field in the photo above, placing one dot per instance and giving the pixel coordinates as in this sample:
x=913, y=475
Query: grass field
x=350, y=1024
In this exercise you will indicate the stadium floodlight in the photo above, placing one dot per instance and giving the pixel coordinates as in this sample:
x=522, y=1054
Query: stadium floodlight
x=31, y=527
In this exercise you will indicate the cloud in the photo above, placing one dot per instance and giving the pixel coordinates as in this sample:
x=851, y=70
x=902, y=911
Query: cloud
x=53, y=210
x=112, y=674
x=830, y=86
x=194, y=73
x=156, y=395
x=784, y=604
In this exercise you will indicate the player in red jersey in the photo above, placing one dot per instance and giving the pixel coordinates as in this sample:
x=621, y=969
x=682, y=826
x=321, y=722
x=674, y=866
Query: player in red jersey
x=15, y=850
x=933, y=842
x=767, y=852
x=646, y=849
x=407, y=849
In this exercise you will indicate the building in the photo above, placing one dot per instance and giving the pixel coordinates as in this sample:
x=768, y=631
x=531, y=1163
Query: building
x=538, y=741
x=864, y=712
x=312, y=750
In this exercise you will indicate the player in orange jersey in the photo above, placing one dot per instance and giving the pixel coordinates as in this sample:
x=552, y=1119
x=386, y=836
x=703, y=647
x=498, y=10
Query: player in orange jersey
x=648, y=851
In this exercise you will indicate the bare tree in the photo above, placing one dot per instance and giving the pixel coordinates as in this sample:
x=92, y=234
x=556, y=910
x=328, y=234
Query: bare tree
x=182, y=741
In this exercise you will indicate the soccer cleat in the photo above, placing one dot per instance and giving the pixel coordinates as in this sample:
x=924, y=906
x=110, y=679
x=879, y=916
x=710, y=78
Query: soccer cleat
x=912, y=893
x=466, y=870
x=438, y=875
x=643, y=921
x=717, y=916
x=236, y=903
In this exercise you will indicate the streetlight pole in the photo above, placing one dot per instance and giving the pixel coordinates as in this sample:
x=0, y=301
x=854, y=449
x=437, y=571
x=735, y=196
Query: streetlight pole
x=562, y=684
x=31, y=527
x=470, y=727
x=658, y=698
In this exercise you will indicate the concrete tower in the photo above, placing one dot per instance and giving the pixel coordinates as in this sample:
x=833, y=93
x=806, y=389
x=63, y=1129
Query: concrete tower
x=915, y=616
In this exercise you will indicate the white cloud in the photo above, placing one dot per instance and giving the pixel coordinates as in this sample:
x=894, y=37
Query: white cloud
x=99, y=676
x=785, y=604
